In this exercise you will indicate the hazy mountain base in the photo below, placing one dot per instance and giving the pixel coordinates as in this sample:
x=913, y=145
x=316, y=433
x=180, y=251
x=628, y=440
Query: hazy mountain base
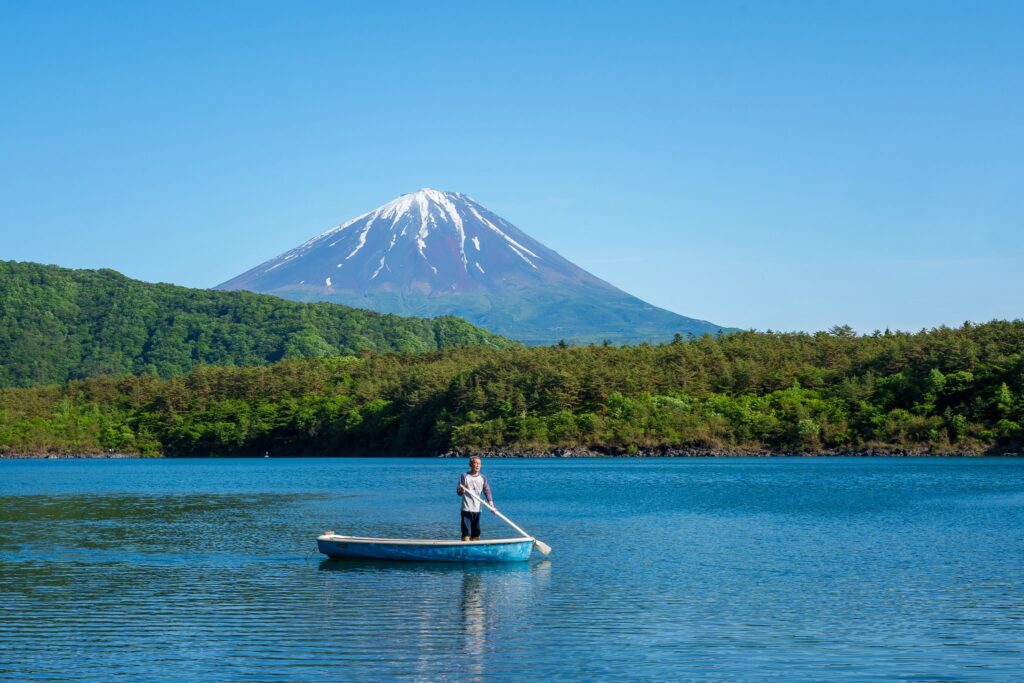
x=574, y=314
x=942, y=391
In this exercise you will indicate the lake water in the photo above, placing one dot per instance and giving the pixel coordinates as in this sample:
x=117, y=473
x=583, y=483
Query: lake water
x=827, y=568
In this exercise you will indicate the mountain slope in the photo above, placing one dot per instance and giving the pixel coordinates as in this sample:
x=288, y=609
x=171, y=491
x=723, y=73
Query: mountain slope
x=58, y=324
x=441, y=253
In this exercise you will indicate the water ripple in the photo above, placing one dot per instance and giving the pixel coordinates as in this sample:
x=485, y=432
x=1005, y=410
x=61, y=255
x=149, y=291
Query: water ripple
x=831, y=569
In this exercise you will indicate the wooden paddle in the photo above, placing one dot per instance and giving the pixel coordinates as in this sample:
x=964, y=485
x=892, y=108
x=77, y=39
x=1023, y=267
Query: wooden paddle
x=542, y=547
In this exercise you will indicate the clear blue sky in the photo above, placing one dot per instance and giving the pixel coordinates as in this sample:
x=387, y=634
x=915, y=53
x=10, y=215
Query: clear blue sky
x=777, y=165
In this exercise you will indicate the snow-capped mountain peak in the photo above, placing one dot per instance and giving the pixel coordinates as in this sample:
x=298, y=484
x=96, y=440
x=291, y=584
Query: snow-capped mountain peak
x=426, y=251
x=440, y=239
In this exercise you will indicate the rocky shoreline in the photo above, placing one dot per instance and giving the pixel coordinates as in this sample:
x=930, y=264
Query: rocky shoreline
x=69, y=456
x=689, y=452
x=591, y=453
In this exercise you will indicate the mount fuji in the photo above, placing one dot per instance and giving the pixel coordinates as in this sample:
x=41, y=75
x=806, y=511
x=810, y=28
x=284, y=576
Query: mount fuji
x=431, y=253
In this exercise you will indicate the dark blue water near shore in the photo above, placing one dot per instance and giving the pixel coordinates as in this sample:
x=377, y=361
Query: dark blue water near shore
x=662, y=570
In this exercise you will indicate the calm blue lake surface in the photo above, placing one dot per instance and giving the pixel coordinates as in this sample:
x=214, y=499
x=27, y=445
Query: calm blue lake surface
x=810, y=569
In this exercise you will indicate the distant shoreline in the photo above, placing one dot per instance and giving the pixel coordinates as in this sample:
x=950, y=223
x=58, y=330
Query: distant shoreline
x=76, y=456
x=575, y=453
x=682, y=452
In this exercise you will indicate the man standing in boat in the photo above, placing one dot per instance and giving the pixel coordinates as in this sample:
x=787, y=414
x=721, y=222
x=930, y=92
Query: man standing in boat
x=477, y=483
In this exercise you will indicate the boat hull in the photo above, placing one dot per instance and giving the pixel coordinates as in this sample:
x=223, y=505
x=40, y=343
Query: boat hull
x=500, y=550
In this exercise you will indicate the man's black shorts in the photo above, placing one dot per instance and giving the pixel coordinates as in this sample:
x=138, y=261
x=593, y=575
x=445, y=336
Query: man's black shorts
x=470, y=523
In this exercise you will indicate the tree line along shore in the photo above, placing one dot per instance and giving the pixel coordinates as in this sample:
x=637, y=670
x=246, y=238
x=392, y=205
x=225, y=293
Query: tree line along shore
x=941, y=391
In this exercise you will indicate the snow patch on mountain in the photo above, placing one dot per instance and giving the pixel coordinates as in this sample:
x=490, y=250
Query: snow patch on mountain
x=362, y=239
x=511, y=242
x=379, y=267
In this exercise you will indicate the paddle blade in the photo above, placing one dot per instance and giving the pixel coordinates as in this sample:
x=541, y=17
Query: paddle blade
x=542, y=547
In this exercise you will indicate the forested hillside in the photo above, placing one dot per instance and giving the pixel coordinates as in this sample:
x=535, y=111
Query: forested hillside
x=941, y=390
x=58, y=324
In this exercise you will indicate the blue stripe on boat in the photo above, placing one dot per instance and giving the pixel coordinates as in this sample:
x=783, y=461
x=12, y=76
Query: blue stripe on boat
x=498, y=550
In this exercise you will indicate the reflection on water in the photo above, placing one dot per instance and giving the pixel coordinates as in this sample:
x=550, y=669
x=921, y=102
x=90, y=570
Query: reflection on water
x=474, y=626
x=482, y=595
x=486, y=599
x=662, y=570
